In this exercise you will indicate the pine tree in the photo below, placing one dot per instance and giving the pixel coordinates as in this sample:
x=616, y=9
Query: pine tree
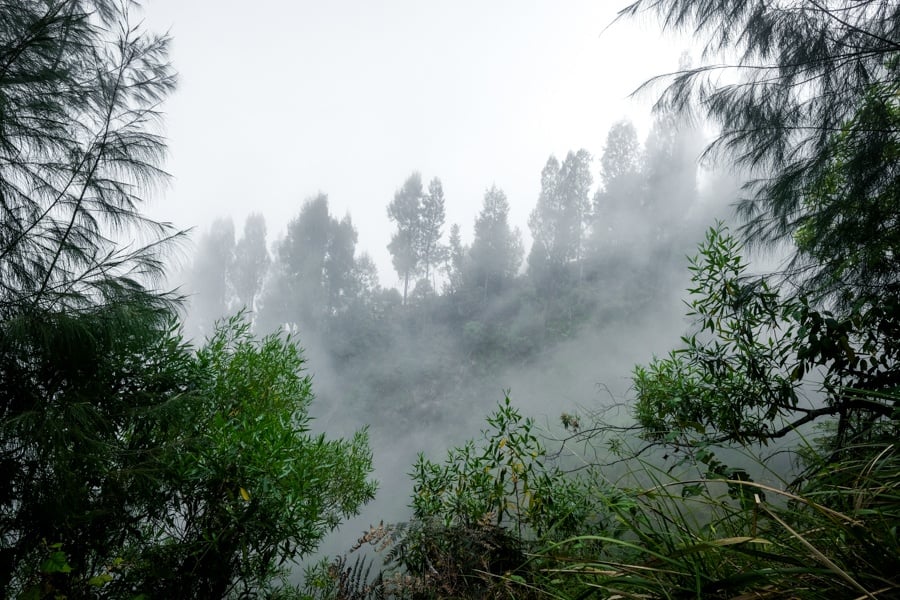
x=81, y=325
x=79, y=90
x=814, y=118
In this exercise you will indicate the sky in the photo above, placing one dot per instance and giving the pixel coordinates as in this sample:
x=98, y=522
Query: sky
x=280, y=100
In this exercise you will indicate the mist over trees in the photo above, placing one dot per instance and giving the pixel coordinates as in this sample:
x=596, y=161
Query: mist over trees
x=757, y=458
x=132, y=463
x=612, y=251
x=600, y=253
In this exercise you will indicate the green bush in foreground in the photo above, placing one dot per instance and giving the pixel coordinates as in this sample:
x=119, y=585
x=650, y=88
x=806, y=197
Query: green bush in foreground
x=142, y=467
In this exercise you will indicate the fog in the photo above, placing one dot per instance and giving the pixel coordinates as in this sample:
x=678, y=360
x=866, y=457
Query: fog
x=559, y=324
x=440, y=208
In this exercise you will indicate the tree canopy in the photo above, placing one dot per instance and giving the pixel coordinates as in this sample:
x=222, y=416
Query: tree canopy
x=131, y=463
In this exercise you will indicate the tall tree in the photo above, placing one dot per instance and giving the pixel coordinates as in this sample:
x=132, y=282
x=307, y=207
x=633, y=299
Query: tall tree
x=622, y=187
x=672, y=154
x=621, y=153
x=210, y=279
x=496, y=251
x=542, y=222
x=559, y=222
x=817, y=91
x=455, y=260
x=251, y=260
x=314, y=269
x=406, y=212
x=79, y=316
x=432, y=228
x=340, y=274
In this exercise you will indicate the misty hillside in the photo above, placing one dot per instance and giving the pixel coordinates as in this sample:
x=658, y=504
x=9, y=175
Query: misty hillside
x=662, y=362
x=465, y=312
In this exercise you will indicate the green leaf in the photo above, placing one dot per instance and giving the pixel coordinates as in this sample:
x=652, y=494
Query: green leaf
x=100, y=580
x=690, y=491
x=57, y=563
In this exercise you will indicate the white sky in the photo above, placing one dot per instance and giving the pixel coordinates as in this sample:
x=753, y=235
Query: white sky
x=281, y=99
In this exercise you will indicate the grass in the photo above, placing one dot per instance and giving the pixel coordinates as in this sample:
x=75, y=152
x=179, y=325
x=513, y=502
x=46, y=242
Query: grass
x=835, y=536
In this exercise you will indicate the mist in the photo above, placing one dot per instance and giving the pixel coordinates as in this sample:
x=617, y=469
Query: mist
x=533, y=243
x=475, y=314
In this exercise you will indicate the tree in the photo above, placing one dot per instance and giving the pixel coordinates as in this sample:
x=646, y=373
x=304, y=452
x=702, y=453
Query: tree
x=455, y=260
x=432, y=229
x=248, y=487
x=108, y=419
x=850, y=229
x=340, y=274
x=496, y=251
x=744, y=374
x=816, y=93
x=621, y=154
x=251, y=260
x=82, y=396
x=416, y=245
x=559, y=221
x=79, y=89
x=314, y=270
x=193, y=473
x=211, y=274
x=673, y=148
x=405, y=212
x=621, y=191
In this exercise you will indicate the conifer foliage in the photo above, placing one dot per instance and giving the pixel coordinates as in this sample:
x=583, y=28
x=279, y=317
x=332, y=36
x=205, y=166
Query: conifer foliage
x=79, y=89
x=814, y=115
x=130, y=464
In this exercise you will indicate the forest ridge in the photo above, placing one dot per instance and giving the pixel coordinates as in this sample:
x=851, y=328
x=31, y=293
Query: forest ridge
x=137, y=463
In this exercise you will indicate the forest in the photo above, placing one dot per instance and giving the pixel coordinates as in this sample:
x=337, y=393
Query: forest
x=209, y=440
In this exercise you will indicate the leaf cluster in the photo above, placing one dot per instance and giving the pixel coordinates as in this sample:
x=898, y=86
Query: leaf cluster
x=747, y=373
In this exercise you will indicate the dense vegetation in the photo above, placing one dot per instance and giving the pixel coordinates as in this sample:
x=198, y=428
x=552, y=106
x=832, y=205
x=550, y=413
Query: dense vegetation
x=132, y=464
x=136, y=464
x=466, y=311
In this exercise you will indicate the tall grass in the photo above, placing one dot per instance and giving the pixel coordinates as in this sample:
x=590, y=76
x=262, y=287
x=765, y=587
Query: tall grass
x=834, y=536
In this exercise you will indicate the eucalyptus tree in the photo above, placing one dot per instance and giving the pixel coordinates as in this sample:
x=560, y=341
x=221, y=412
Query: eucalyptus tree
x=251, y=261
x=812, y=111
x=405, y=210
x=496, y=251
x=455, y=260
x=432, y=229
x=620, y=192
x=559, y=221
